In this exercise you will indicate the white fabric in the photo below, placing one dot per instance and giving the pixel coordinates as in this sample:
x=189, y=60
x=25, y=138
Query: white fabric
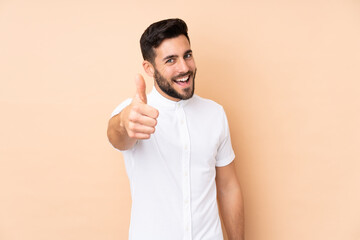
x=172, y=174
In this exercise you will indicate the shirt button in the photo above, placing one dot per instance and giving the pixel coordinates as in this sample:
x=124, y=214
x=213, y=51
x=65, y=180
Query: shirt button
x=186, y=147
x=186, y=174
x=182, y=121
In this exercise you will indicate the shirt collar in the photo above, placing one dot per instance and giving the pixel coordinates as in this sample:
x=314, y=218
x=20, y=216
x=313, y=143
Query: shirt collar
x=159, y=100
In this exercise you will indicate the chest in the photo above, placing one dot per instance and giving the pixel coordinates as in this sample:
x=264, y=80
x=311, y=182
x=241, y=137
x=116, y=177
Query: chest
x=182, y=134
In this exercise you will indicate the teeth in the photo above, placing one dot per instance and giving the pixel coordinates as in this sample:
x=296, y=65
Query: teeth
x=183, y=79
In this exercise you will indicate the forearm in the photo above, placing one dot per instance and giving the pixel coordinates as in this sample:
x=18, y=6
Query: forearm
x=232, y=211
x=117, y=134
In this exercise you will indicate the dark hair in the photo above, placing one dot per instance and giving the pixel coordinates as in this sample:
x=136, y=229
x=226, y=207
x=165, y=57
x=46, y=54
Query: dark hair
x=158, y=32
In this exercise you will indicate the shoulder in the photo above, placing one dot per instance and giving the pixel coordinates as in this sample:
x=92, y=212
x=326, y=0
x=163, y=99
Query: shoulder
x=208, y=104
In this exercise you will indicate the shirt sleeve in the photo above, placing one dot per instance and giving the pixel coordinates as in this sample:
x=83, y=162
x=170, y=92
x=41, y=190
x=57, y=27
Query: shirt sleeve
x=225, y=154
x=116, y=111
x=120, y=107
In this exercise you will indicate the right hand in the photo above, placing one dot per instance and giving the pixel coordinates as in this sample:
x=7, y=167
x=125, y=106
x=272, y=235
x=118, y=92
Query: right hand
x=139, y=119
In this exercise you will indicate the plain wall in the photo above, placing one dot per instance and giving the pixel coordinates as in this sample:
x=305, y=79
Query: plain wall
x=286, y=72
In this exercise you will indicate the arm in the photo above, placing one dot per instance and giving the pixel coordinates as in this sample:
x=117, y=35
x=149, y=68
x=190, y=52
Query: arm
x=134, y=122
x=117, y=133
x=230, y=201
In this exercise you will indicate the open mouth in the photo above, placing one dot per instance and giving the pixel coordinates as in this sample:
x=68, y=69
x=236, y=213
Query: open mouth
x=183, y=80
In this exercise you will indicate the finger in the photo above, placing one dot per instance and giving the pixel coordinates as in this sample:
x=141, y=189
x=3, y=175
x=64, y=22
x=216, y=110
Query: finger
x=146, y=121
x=137, y=117
x=139, y=128
x=145, y=110
x=140, y=88
x=149, y=111
x=141, y=136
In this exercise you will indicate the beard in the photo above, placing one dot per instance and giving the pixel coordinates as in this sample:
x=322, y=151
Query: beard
x=165, y=85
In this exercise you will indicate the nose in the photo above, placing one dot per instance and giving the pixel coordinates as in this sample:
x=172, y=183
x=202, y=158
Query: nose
x=183, y=66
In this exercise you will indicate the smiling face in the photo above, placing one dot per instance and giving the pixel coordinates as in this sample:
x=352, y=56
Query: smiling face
x=173, y=69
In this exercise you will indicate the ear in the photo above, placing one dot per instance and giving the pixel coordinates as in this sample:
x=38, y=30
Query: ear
x=149, y=68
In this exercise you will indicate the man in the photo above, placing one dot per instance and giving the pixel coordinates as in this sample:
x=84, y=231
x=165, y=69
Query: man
x=177, y=147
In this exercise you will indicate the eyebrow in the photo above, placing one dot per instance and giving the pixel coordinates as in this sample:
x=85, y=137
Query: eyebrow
x=170, y=56
x=175, y=56
x=188, y=51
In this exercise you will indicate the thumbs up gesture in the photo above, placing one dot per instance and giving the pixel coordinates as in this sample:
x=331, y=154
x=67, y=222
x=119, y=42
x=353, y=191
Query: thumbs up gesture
x=139, y=119
x=140, y=88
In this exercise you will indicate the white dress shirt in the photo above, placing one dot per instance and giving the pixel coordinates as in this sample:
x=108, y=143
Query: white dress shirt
x=172, y=174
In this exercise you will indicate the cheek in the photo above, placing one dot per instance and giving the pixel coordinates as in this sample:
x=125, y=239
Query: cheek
x=168, y=72
x=192, y=64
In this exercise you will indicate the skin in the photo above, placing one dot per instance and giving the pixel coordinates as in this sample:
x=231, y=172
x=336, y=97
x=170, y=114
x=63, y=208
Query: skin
x=230, y=201
x=174, y=61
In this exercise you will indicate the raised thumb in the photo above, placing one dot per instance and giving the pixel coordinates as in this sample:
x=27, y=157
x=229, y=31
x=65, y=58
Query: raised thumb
x=140, y=88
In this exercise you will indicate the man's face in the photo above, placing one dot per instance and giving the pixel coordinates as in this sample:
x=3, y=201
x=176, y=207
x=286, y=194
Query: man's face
x=175, y=69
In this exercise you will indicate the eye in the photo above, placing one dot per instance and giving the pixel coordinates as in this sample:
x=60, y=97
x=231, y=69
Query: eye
x=170, y=60
x=188, y=55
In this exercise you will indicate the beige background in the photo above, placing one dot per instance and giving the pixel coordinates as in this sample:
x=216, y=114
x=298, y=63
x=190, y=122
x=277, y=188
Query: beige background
x=287, y=74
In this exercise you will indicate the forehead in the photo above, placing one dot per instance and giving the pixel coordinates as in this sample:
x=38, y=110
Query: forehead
x=172, y=46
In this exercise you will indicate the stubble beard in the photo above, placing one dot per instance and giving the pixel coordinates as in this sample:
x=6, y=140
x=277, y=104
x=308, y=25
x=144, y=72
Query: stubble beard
x=166, y=87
